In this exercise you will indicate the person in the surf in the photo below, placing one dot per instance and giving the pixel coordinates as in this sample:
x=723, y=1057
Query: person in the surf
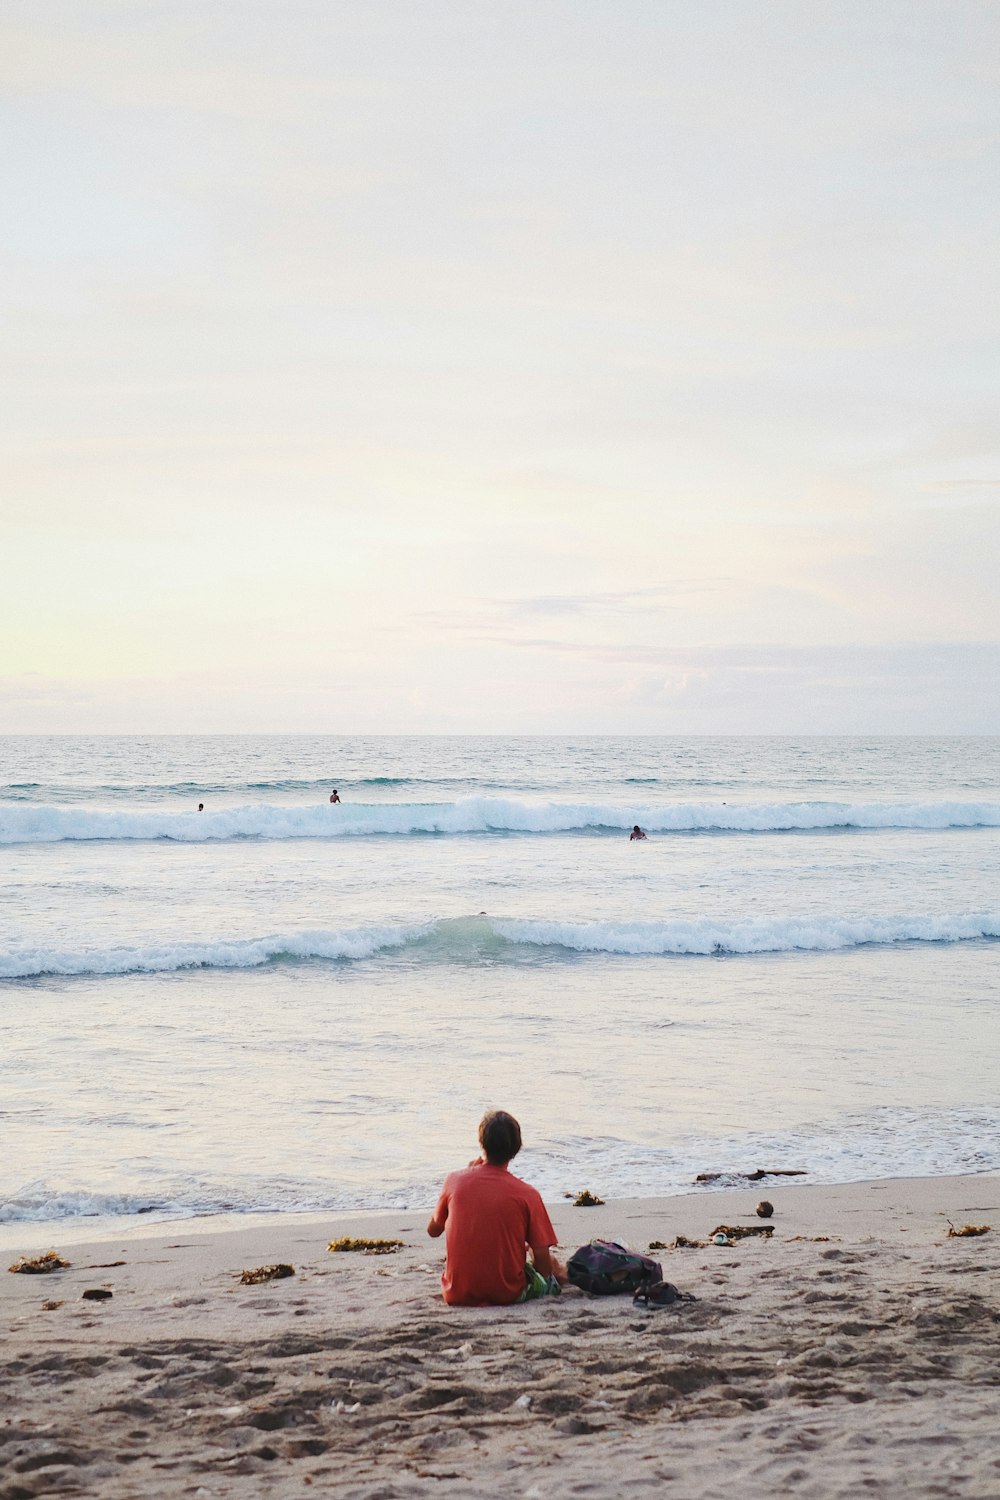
x=335, y=795
x=492, y=1221
x=201, y=807
x=636, y=833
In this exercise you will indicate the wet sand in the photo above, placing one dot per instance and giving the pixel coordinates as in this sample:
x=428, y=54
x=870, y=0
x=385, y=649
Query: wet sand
x=853, y=1353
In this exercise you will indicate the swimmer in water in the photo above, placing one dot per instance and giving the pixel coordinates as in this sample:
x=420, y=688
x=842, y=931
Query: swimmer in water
x=335, y=795
x=636, y=833
x=201, y=807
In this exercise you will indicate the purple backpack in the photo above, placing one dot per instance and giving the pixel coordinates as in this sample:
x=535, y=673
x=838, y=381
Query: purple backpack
x=605, y=1269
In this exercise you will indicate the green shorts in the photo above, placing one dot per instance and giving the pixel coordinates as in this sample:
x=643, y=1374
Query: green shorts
x=537, y=1285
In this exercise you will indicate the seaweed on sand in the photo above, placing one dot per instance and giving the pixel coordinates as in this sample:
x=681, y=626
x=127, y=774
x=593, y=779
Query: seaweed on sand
x=742, y=1231
x=276, y=1272
x=39, y=1265
x=367, y=1247
x=731, y=1232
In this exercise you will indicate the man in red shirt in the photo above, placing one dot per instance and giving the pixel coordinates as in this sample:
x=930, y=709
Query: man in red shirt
x=492, y=1219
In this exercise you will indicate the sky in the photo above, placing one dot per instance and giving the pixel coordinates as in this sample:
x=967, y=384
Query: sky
x=542, y=366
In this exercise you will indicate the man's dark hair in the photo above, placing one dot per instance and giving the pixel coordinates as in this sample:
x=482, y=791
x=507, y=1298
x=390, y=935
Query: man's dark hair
x=499, y=1136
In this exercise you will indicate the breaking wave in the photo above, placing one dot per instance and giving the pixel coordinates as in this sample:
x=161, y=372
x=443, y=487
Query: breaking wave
x=491, y=940
x=239, y=953
x=39, y=824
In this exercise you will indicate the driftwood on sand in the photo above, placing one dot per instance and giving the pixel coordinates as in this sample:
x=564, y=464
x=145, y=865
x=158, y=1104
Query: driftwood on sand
x=753, y=1176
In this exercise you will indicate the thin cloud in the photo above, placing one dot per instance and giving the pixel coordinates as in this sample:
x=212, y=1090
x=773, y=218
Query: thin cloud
x=568, y=604
x=964, y=484
x=598, y=601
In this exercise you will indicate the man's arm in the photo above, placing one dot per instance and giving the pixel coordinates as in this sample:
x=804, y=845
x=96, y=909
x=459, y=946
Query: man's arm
x=542, y=1261
x=540, y=1237
x=438, y=1219
x=548, y=1264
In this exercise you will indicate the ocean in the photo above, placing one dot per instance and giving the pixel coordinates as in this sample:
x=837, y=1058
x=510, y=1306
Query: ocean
x=279, y=1004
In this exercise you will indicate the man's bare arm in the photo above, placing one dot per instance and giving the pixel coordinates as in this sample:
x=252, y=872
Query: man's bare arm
x=547, y=1264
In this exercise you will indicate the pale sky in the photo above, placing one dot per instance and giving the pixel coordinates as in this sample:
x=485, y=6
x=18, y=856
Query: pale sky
x=500, y=365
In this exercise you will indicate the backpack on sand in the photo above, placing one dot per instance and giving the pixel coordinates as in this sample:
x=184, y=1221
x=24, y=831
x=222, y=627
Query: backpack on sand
x=606, y=1269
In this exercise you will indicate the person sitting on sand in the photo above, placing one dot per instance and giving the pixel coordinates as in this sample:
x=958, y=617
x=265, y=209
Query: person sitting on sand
x=492, y=1219
x=636, y=833
x=335, y=795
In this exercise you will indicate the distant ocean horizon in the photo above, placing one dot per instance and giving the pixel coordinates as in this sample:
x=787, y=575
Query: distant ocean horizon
x=279, y=1003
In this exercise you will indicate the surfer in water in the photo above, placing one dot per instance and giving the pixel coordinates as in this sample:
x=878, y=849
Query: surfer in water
x=335, y=795
x=636, y=833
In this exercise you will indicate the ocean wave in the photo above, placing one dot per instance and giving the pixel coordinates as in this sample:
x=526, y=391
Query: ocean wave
x=483, y=939
x=38, y=1203
x=237, y=953
x=703, y=936
x=153, y=792
x=40, y=823
x=41, y=1203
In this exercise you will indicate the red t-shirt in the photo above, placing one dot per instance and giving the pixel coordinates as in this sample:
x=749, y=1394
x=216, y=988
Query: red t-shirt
x=489, y=1217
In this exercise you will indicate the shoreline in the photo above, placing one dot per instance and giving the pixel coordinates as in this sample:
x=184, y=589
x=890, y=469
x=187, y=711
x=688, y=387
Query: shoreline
x=852, y=1352
x=28, y=1235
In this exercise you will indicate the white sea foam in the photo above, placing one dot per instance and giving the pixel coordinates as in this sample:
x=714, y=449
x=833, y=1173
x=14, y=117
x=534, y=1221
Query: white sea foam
x=241, y=953
x=885, y=1142
x=45, y=823
x=459, y=939
x=37, y=1202
x=181, y=1194
x=751, y=935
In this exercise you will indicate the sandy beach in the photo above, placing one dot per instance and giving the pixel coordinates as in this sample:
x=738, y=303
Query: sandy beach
x=854, y=1352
